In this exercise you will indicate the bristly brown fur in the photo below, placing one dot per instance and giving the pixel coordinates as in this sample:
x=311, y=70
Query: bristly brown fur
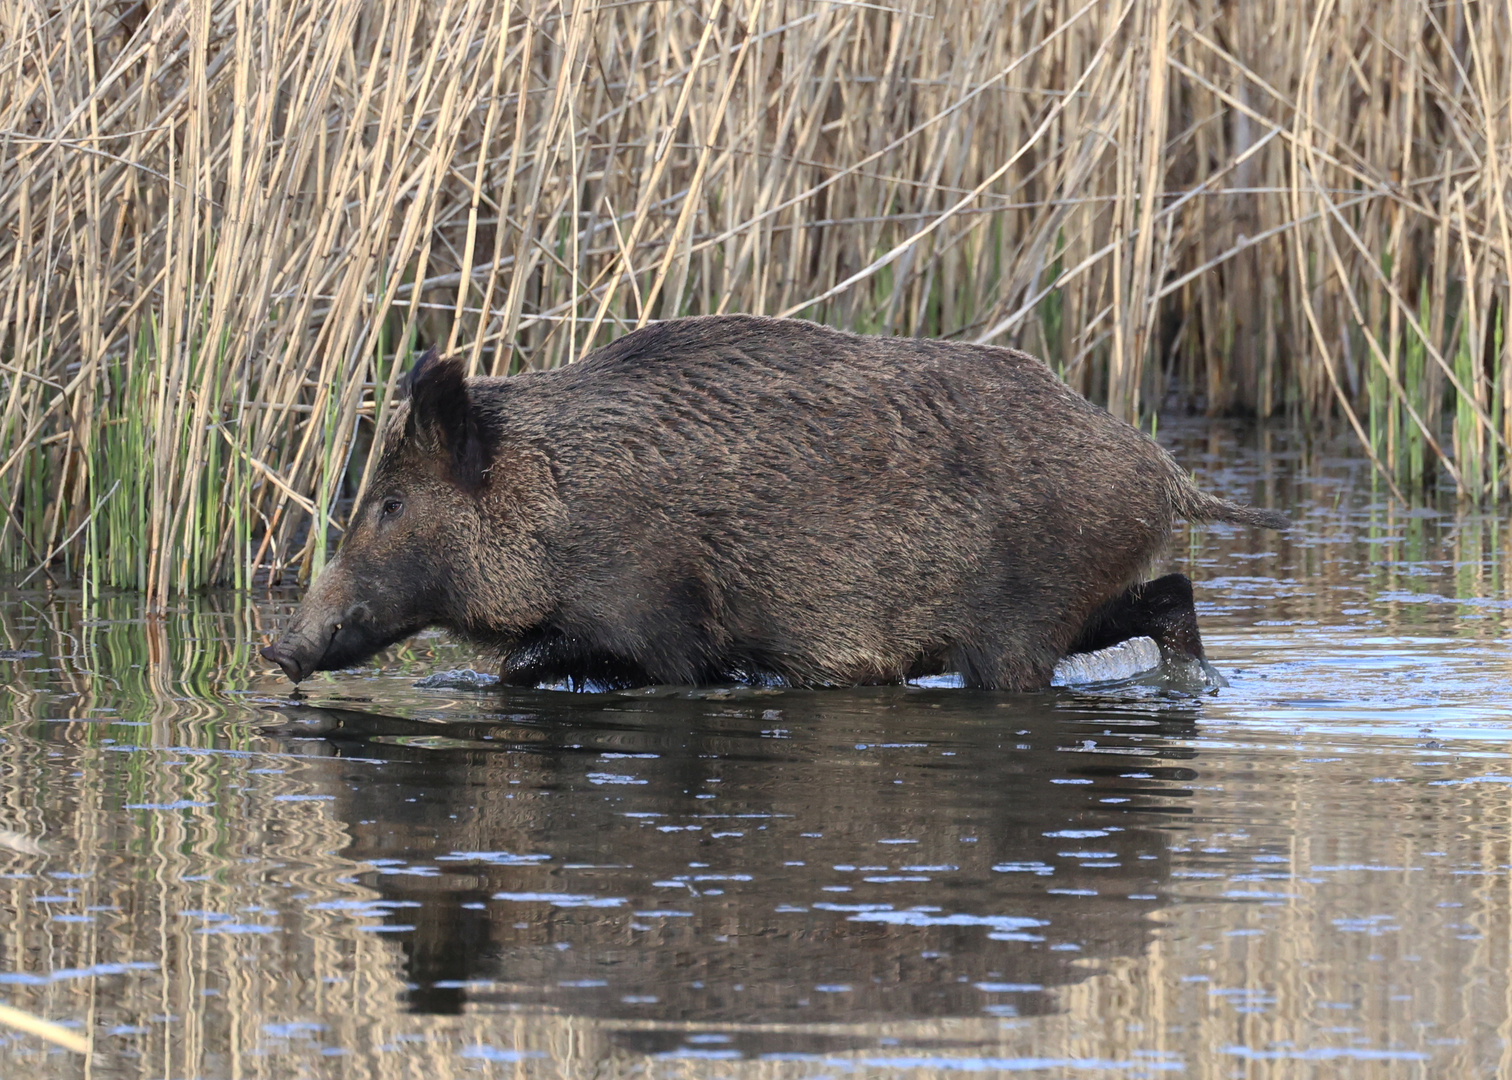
x=741, y=497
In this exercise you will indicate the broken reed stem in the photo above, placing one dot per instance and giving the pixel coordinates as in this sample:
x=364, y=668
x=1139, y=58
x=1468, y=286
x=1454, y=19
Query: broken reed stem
x=46, y=1030
x=226, y=225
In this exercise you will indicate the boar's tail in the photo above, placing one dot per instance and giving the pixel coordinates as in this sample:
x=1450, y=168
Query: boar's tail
x=1196, y=505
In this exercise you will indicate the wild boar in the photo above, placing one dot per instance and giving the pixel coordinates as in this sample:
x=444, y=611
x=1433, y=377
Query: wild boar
x=752, y=499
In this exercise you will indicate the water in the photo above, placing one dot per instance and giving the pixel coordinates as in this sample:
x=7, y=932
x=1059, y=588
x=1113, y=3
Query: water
x=1306, y=873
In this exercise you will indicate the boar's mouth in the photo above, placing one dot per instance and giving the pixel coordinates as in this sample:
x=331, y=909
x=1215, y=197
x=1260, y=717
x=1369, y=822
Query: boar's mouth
x=301, y=653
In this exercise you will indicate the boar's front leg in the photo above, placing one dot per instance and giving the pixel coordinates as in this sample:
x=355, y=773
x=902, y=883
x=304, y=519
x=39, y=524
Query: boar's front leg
x=539, y=656
x=546, y=655
x=1162, y=609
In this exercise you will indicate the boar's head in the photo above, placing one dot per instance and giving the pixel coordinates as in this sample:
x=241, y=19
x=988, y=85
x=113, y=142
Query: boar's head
x=446, y=535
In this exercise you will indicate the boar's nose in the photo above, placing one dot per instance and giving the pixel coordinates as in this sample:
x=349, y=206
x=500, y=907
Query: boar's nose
x=284, y=657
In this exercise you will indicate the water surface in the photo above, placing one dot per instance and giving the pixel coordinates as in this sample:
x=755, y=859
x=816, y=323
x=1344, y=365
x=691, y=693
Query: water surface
x=1306, y=873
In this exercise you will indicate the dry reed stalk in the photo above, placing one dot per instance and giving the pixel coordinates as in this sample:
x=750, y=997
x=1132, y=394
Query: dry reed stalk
x=225, y=225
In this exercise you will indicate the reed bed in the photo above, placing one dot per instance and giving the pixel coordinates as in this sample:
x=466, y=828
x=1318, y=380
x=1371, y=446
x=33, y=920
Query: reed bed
x=226, y=225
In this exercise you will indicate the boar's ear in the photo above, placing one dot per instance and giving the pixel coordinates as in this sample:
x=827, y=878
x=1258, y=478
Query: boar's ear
x=441, y=409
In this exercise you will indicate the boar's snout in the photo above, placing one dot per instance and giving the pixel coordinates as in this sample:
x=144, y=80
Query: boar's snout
x=300, y=652
x=282, y=654
x=321, y=640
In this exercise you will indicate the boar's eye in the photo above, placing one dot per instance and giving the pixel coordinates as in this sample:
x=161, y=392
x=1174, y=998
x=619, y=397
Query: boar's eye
x=392, y=507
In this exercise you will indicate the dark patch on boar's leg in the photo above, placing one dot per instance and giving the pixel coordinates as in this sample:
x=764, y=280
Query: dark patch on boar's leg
x=541, y=656
x=547, y=655
x=1162, y=609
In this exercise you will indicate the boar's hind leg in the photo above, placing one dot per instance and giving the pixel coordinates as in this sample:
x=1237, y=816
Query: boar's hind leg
x=1161, y=609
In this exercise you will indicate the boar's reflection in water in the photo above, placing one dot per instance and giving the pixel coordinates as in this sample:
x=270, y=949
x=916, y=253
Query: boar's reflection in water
x=749, y=499
x=707, y=790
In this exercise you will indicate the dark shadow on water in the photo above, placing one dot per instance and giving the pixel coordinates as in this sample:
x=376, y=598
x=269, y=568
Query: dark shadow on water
x=751, y=856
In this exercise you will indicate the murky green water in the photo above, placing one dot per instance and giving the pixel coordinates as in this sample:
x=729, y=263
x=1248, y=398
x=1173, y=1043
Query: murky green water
x=1305, y=875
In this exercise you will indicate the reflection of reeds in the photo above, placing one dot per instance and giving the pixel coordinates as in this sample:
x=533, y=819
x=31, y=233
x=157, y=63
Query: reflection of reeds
x=68, y=779
x=226, y=224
